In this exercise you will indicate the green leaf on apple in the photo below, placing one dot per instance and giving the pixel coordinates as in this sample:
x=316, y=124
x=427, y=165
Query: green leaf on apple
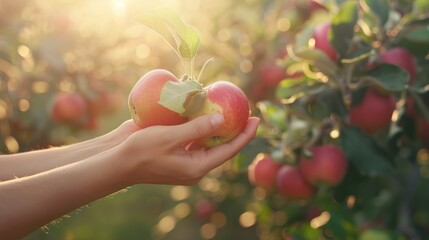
x=390, y=77
x=342, y=27
x=166, y=22
x=184, y=97
x=373, y=161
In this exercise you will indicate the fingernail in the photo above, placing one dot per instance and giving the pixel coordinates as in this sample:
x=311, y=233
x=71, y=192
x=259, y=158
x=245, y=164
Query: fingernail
x=217, y=120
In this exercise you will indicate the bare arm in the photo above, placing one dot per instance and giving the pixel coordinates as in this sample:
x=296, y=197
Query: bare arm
x=146, y=156
x=29, y=163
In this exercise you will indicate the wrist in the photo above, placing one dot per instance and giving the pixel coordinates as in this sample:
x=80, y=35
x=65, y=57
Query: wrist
x=125, y=164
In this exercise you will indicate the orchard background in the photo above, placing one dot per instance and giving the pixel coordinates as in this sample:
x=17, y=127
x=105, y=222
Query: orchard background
x=352, y=75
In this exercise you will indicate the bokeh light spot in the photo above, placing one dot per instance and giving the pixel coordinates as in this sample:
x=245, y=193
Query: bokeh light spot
x=24, y=105
x=321, y=220
x=179, y=193
x=334, y=134
x=283, y=24
x=166, y=224
x=142, y=51
x=11, y=144
x=40, y=87
x=24, y=51
x=182, y=210
x=246, y=66
x=247, y=219
x=208, y=231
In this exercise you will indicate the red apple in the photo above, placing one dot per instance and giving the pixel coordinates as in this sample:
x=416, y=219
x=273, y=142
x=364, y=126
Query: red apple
x=68, y=107
x=374, y=112
x=229, y=100
x=263, y=171
x=271, y=74
x=401, y=58
x=321, y=40
x=328, y=165
x=292, y=184
x=143, y=100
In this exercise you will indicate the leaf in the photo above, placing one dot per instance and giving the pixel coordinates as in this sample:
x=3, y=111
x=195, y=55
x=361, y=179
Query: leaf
x=272, y=113
x=318, y=59
x=193, y=103
x=421, y=83
x=292, y=89
x=191, y=41
x=379, y=8
x=390, y=77
x=342, y=27
x=364, y=153
x=177, y=96
x=420, y=35
x=166, y=22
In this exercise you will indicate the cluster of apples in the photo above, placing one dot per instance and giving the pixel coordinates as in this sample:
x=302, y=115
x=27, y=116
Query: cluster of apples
x=327, y=165
x=374, y=112
x=223, y=97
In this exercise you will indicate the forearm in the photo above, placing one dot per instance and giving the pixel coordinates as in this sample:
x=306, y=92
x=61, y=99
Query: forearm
x=29, y=163
x=30, y=202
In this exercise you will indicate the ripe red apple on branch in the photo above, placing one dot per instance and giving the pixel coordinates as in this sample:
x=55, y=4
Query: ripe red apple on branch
x=321, y=40
x=263, y=172
x=327, y=165
x=373, y=112
x=292, y=184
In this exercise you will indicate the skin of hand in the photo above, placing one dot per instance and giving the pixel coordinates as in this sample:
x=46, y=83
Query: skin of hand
x=154, y=155
x=33, y=162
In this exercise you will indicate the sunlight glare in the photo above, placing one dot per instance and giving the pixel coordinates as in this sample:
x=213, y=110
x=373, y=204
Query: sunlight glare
x=119, y=6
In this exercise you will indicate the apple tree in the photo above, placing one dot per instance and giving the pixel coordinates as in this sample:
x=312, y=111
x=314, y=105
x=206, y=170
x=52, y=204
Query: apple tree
x=56, y=86
x=347, y=121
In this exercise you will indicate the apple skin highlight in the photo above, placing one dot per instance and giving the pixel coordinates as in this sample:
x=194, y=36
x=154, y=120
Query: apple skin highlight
x=229, y=100
x=144, y=99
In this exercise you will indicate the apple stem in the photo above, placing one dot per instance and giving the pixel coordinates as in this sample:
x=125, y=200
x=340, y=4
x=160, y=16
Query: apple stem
x=204, y=67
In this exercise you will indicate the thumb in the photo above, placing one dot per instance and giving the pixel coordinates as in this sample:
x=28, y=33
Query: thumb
x=198, y=127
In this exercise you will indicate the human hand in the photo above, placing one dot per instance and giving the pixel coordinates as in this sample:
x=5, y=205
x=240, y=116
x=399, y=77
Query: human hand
x=161, y=154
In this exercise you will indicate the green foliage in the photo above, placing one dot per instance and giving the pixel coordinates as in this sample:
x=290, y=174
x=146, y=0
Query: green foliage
x=168, y=23
x=373, y=161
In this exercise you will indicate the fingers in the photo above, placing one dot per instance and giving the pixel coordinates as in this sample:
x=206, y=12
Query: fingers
x=219, y=154
x=197, y=128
